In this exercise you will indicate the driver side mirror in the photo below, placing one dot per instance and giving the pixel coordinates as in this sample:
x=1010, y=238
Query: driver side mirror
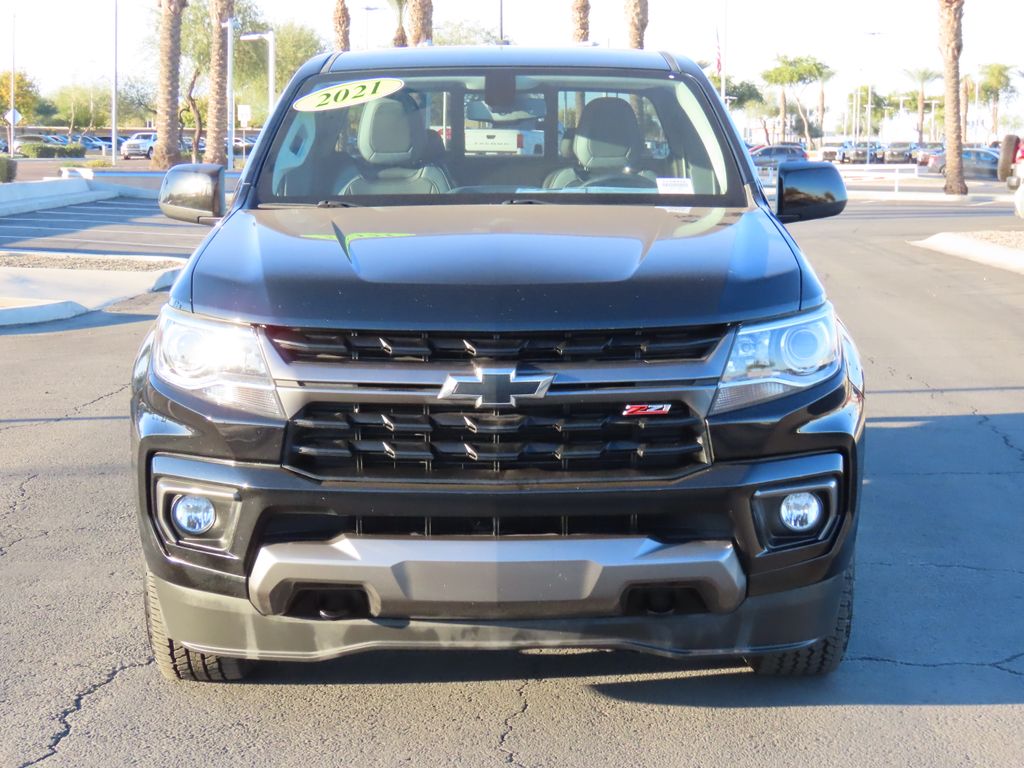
x=809, y=191
x=193, y=193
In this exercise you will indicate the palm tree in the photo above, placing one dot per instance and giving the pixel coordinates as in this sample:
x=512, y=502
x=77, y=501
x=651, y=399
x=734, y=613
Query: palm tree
x=217, y=128
x=421, y=21
x=951, y=43
x=400, y=40
x=822, y=73
x=166, y=153
x=995, y=83
x=967, y=88
x=342, y=26
x=922, y=77
x=636, y=16
x=581, y=20
x=782, y=76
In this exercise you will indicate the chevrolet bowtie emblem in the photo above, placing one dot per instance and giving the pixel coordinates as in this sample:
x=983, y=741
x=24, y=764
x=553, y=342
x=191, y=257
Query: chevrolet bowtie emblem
x=494, y=387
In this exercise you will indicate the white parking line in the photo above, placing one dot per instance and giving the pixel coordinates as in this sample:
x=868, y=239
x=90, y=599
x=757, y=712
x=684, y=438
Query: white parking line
x=136, y=209
x=112, y=243
x=99, y=218
x=133, y=231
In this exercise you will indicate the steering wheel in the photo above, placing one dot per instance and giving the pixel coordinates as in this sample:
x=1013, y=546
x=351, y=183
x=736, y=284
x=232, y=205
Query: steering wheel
x=630, y=181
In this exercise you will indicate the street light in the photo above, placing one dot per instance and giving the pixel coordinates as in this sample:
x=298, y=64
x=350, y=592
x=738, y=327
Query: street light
x=366, y=24
x=113, y=99
x=271, y=64
x=231, y=25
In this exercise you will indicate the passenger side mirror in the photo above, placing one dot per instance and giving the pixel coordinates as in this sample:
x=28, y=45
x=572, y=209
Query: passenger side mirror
x=193, y=193
x=809, y=191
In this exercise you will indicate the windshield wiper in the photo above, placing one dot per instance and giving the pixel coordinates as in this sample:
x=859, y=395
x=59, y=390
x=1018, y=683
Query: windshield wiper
x=337, y=204
x=524, y=201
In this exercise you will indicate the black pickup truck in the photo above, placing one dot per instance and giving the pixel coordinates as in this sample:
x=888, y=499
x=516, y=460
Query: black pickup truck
x=407, y=395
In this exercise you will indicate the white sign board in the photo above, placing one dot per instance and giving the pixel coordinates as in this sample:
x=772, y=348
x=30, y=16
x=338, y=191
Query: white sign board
x=12, y=116
x=244, y=114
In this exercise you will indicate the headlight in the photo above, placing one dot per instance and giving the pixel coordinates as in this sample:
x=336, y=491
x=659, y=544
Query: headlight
x=774, y=359
x=217, y=361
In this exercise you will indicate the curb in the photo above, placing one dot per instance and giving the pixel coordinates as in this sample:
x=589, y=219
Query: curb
x=54, y=201
x=990, y=254
x=925, y=197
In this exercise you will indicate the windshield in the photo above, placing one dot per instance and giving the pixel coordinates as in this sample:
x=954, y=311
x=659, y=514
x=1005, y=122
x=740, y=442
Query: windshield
x=500, y=135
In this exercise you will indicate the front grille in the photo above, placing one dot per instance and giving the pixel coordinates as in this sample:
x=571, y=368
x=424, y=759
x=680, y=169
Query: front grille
x=307, y=345
x=339, y=441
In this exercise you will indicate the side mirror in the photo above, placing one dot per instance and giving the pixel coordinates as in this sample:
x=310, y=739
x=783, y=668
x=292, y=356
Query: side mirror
x=193, y=193
x=809, y=191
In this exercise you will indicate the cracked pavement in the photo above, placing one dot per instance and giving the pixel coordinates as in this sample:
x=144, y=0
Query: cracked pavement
x=935, y=672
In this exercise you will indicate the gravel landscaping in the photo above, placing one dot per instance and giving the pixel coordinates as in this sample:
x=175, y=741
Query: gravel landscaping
x=1012, y=238
x=105, y=263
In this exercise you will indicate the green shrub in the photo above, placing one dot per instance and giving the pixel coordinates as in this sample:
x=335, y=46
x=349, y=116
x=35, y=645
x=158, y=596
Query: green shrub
x=41, y=149
x=98, y=164
x=8, y=170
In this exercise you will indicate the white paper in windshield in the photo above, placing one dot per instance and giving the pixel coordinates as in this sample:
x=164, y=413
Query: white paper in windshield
x=671, y=185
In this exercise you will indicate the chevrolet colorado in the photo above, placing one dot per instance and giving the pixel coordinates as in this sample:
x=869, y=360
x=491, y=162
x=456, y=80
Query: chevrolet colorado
x=406, y=396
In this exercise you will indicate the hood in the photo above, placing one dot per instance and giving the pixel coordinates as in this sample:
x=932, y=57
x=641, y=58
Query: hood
x=496, y=267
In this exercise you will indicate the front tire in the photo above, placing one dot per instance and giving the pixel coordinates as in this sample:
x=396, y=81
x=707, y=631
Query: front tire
x=825, y=655
x=149, y=154
x=175, y=661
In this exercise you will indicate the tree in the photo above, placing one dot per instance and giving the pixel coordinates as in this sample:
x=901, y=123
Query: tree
x=580, y=20
x=421, y=21
x=995, y=83
x=82, y=106
x=165, y=153
x=636, y=18
x=464, y=33
x=400, y=39
x=739, y=94
x=822, y=73
x=783, y=75
x=136, y=101
x=951, y=44
x=922, y=77
x=26, y=94
x=296, y=44
x=342, y=27
x=216, y=135
x=967, y=89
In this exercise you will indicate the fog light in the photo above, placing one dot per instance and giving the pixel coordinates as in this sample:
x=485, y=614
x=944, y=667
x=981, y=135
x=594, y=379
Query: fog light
x=193, y=515
x=800, y=512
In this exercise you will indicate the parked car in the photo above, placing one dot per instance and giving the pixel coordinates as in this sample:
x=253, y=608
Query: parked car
x=34, y=138
x=1011, y=161
x=427, y=398
x=900, y=152
x=978, y=163
x=91, y=143
x=771, y=156
x=139, y=145
x=830, y=151
x=925, y=151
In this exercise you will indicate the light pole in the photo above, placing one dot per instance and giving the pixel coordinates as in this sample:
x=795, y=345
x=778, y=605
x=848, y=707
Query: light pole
x=113, y=99
x=271, y=64
x=10, y=144
x=231, y=25
x=501, y=21
x=366, y=24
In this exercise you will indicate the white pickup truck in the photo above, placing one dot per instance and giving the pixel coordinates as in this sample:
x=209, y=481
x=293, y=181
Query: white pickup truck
x=515, y=130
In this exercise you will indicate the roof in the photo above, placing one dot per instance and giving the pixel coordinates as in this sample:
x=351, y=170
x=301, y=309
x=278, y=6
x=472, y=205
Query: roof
x=507, y=56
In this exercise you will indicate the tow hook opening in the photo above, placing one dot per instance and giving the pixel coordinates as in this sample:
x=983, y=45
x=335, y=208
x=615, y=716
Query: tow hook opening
x=330, y=603
x=662, y=600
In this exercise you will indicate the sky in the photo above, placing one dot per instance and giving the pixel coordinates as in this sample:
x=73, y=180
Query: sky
x=866, y=41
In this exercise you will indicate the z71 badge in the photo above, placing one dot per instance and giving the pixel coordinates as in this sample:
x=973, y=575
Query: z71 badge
x=647, y=410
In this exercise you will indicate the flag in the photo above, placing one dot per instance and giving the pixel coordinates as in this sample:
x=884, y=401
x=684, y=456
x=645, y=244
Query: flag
x=718, y=53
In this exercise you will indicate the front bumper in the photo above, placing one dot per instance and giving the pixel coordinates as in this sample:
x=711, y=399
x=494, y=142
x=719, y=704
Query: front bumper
x=231, y=626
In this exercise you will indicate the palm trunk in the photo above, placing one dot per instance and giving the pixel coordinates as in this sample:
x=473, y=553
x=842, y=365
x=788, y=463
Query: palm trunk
x=166, y=153
x=951, y=43
x=636, y=16
x=920, y=115
x=217, y=133
x=965, y=100
x=342, y=26
x=581, y=20
x=421, y=21
x=995, y=116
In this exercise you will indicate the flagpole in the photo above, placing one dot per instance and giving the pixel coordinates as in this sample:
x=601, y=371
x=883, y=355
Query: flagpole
x=722, y=44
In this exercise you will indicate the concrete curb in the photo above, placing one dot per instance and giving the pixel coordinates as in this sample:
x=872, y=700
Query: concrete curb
x=990, y=254
x=925, y=197
x=31, y=312
x=54, y=201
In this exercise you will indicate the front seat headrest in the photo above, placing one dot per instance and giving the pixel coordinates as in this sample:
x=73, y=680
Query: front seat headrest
x=608, y=135
x=391, y=132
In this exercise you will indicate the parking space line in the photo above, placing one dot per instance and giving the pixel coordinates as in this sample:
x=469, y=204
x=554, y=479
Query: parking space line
x=134, y=230
x=111, y=243
x=105, y=221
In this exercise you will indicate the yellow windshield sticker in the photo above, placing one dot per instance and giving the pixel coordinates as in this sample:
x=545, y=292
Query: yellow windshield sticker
x=348, y=94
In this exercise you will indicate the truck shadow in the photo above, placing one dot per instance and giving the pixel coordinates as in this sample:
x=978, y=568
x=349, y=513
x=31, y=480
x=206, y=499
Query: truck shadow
x=937, y=612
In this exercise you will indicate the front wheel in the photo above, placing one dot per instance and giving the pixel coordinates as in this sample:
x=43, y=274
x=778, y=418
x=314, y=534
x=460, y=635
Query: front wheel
x=149, y=154
x=825, y=655
x=175, y=661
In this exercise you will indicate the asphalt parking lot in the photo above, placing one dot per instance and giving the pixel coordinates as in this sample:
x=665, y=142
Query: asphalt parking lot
x=120, y=225
x=935, y=671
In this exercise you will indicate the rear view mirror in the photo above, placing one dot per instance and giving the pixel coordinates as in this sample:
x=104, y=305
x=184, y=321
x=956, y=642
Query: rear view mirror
x=193, y=193
x=809, y=191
